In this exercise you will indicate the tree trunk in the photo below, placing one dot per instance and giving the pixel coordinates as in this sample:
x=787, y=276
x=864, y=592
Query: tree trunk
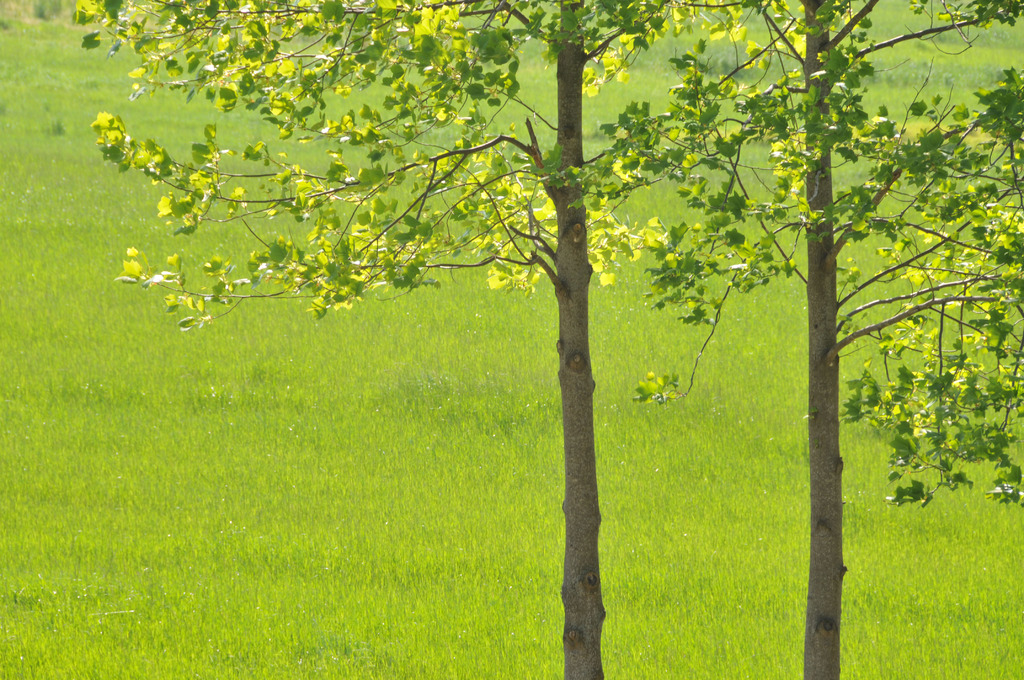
x=826, y=569
x=581, y=585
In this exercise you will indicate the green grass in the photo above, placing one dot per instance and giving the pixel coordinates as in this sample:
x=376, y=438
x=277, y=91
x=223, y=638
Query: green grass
x=377, y=495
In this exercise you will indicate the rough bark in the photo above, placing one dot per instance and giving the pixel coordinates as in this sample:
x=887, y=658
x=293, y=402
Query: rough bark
x=826, y=569
x=581, y=585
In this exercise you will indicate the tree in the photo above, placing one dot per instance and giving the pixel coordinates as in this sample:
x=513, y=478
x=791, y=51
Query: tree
x=416, y=106
x=917, y=250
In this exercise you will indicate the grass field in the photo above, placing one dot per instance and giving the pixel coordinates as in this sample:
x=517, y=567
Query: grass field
x=377, y=495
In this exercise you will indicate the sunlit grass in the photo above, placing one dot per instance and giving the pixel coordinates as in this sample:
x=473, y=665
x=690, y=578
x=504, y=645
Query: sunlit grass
x=377, y=495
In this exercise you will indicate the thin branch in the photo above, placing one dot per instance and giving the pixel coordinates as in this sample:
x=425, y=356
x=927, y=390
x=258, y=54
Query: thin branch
x=463, y=265
x=782, y=34
x=535, y=113
x=534, y=149
x=926, y=291
x=535, y=234
x=935, y=30
x=962, y=34
x=764, y=227
x=852, y=24
x=254, y=234
x=1016, y=373
x=946, y=239
x=560, y=289
x=469, y=150
x=707, y=340
x=833, y=256
x=833, y=353
x=603, y=46
x=942, y=330
x=490, y=13
x=895, y=268
x=281, y=294
x=757, y=56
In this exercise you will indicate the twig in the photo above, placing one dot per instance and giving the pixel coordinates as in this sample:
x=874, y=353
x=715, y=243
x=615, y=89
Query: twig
x=707, y=340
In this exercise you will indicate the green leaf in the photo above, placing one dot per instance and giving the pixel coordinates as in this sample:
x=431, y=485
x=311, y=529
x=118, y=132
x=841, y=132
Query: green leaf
x=227, y=98
x=333, y=11
x=371, y=175
x=85, y=12
x=201, y=153
x=658, y=389
x=132, y=269
x=91, y=40
x=188, y=323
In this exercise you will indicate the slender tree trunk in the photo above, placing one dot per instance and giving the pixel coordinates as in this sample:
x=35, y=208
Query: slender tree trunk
x=826, y=569
x=581, y=585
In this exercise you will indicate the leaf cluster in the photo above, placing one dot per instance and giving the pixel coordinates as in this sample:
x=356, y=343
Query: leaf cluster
x=431, y=159
x=925, y=232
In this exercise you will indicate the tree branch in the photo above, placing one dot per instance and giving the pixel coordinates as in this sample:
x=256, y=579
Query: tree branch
x=560, y=289
x=926, y=291
x=782, y=35
x=935, y=30
x=597, y=51
x=833, y=353
x=833, y=255
x=852, y=24
x=711, y=334
x=756, y=56
x=896, y=267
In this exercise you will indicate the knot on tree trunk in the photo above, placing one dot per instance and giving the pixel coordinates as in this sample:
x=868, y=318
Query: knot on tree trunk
x=591, y=581
x=826, y=626
x=572, y=638
x=577, y=362
x=823, y=527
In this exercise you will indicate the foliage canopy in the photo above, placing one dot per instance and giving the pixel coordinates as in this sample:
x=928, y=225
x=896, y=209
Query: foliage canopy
x=447, y=171
x=928, y=222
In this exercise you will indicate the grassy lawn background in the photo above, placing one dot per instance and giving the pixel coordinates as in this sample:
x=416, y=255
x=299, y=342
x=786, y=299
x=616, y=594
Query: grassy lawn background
x=377, y=495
